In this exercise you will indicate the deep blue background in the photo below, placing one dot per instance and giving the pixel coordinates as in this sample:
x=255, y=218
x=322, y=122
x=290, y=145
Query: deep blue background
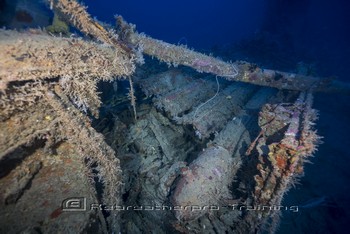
x=202, y=23
x=313, y=31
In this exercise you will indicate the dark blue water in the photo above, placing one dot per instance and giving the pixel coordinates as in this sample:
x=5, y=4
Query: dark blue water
x=310, y=31
x=202, y=23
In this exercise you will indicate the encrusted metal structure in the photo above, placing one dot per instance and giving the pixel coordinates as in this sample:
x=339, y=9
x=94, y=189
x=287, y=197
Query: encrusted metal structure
x=195, y=142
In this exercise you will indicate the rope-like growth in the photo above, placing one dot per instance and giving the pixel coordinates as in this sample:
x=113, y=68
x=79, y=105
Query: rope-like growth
x=132, y=97
x=217, y=92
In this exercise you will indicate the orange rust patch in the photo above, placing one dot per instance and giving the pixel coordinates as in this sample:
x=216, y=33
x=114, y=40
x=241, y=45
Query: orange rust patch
x=56, y=213
x=281, y=162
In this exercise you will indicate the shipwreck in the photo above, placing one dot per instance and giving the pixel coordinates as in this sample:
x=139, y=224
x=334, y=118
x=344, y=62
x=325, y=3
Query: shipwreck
x=187, y=151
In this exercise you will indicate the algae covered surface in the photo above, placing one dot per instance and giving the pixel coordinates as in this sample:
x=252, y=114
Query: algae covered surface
x=107, y=130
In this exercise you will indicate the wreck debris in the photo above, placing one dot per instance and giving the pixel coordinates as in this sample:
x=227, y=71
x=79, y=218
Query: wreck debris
x=187, y=103
x=77, y=15
x=33, y=55
x=237, y=71
x=91, y=147
x=227, y=142
x=204, y=183
x=23, y=175
x=35, y=58
x=243, y=121
x=232, y=139
x=18, y=131
x=132, y=98
x=282, y=163
x=213, y=115
x=55, y=119
x=57, y=77
x=280, y=121
x=43, y=181
x=165, y=82
x=176, y=101
x=158, y=150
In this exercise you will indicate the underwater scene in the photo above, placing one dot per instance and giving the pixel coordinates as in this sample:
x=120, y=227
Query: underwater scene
x=227, y=116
